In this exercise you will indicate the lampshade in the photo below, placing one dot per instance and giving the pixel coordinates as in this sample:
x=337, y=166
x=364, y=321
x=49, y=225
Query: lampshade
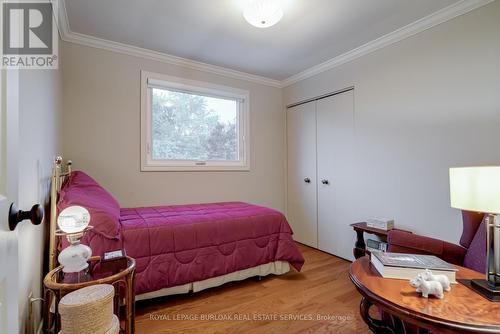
x=73, y=219
x=475, y=189
x=263, y=13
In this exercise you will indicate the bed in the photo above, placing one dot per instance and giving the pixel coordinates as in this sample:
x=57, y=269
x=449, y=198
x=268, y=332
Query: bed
x=178, y=248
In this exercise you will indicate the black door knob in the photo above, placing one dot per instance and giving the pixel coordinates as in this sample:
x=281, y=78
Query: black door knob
x=35, y=215
x=307, y=180
x=325, y=182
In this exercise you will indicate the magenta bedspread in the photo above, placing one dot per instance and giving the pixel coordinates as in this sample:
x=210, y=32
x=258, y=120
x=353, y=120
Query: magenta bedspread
x=175, y=245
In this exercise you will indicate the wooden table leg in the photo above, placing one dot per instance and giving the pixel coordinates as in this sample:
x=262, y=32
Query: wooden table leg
x=116, y=299
x=359, y=246
x=57, y=317
x=130, y=304
x=376, y=326
x=47, y=318
x=397, y=324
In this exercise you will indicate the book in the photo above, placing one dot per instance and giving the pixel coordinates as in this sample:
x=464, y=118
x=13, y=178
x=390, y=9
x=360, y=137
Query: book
x=407, y=266
x=376, y=245
x=380, y=223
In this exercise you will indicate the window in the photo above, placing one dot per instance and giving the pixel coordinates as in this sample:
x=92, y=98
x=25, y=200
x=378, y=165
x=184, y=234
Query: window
x=189, y=125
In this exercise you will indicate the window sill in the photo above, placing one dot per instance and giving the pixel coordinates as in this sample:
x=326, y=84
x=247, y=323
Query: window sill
x=150, y=168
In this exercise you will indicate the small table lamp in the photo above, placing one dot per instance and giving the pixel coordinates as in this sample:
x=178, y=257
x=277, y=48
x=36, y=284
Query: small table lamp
x=478, y=189
x=73, y=223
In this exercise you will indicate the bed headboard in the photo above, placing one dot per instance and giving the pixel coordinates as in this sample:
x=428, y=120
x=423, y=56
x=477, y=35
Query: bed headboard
x=60, y=171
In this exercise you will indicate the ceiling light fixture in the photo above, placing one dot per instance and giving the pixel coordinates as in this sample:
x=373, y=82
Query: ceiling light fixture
x=263, y=13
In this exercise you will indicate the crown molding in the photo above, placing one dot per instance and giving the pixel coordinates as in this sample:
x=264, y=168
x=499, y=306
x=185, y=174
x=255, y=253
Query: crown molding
x=69, y=36
x=432, y=20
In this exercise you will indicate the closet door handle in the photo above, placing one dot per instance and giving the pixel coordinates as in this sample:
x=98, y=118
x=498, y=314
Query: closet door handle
x=307, y=180
x=325, y=181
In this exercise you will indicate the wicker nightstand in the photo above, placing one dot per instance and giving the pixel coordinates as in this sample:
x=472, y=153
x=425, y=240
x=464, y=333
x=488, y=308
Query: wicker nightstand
x=57, y=284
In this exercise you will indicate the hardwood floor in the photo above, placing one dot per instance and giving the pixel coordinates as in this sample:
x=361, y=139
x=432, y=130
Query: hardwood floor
x=289, y=303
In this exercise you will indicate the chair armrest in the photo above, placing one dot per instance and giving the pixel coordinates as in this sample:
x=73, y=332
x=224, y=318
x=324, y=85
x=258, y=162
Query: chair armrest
x=404, y=242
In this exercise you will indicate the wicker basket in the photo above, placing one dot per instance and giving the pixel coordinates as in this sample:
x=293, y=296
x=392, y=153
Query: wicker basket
x=89, y=311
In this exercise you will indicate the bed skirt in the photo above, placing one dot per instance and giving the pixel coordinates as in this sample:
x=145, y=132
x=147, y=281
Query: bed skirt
x=275, y=268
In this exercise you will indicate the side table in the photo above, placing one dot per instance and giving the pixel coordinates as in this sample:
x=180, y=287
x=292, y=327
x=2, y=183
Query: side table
x=58, y=284
x=461, y=310
x=359, y=249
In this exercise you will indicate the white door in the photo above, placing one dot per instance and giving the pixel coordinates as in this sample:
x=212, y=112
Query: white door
x=335, y=150
x=301, y=156
x=9, y=100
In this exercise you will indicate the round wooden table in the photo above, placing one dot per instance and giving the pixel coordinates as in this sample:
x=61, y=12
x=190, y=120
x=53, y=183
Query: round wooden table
x=57, y=285
x=461, y=311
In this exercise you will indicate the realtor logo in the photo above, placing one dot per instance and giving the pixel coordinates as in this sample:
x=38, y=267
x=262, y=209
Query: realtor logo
x=29, y=35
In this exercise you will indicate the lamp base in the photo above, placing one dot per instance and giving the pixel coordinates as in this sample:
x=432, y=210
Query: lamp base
x=482, y=287
x=74, y=258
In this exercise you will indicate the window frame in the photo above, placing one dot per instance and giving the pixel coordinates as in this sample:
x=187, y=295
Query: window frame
x=150, y=80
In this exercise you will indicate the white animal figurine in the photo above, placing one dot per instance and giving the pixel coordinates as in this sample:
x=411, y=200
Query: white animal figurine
x=443, y=279
x=427, y=287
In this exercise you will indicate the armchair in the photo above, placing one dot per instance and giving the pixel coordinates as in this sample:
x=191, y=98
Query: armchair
x=471, y=252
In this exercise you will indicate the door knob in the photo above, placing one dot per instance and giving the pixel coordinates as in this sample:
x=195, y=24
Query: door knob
x=35, y=215
x=307, y=180
x=325, y=181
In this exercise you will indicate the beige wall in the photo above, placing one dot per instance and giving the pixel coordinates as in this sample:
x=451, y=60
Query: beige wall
x=102, y=134
x=422, y=105
x=39, y=123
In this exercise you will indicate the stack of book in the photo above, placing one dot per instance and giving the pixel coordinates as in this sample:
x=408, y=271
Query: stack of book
x=407, y=266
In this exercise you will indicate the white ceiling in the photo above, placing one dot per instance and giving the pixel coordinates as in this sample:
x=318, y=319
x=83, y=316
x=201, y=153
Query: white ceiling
x=214, y=31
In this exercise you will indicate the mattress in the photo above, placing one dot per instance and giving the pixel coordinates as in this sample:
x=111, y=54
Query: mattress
x=178, y=245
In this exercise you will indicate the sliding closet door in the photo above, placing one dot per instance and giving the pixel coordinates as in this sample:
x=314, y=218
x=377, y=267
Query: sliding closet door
x=335, y=126
x=301, y=199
